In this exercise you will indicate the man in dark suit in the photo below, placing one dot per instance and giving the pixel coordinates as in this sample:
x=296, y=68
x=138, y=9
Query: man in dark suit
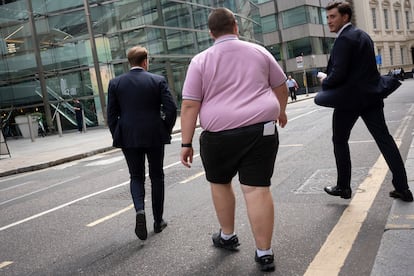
x=352, y=70
x=141, y=116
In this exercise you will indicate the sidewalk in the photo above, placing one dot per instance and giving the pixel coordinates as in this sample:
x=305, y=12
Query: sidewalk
x=395, y=255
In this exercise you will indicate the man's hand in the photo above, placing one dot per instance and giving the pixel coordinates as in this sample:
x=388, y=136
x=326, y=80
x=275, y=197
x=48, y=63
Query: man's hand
x=282, y=120
x=186, y=156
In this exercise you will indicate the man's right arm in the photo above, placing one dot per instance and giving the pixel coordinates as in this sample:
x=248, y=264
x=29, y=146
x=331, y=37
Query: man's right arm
x=189, y=113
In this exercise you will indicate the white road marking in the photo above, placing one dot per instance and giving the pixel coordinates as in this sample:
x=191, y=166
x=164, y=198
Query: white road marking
x=291, y=145
x=110, y=216
x=40, y=190
x=333, y=253
x=197, y=175
x=5, y=263
x=303, y=115
x=16, y=186
x=105, y=161
x=331, y=257
x=74, y=201
x=61, y=206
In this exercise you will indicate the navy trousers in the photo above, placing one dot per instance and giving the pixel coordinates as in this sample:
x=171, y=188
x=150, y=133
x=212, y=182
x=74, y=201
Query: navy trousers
x=135, y=158
x=373, y=117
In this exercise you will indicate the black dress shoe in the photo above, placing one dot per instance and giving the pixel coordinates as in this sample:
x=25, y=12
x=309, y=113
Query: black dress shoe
x=141, y=226
x=337, y=191
x=404, y=196
x=159, y=226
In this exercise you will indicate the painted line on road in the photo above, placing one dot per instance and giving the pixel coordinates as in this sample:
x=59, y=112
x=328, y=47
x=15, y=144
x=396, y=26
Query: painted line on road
x=96, y=222
x=16, y=186
x=5, y=263
x=75, y=201
x=303, y=115
x=333, y=253
x=40, y=190
x=291, y=145
x=195, y=176
x=62, y=206
x=105, y=161
x=331, y=257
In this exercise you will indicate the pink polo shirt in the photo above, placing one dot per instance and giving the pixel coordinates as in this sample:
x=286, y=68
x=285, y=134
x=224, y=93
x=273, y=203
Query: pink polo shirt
x=233, y=80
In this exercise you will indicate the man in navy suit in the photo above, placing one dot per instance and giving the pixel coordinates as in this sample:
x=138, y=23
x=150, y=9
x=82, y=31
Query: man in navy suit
x=352, y=70
x=141, y=116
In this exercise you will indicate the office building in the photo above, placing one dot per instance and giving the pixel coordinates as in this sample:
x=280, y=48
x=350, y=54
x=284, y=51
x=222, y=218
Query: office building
x=296, y=33
x=48, y=57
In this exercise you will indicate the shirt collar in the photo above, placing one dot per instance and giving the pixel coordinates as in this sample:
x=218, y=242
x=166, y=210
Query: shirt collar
x=343, y=27
x=136, y=67
x=225, y=38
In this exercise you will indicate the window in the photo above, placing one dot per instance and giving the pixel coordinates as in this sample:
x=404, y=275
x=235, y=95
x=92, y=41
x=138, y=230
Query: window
x=402, y=55
x=294, y=17
x=397, y=19
x=374, y=18
x=307, y=46
x=387, y=26
x=407, y=19
x=275, y=51
x=269, y=23
x=313, y=13
x=392, y=56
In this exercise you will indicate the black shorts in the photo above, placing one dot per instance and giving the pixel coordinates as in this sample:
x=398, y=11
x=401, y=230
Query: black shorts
x=242, y=150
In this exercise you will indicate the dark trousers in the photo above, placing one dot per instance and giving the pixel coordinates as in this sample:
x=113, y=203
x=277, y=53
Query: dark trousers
x=292, y=91
x=79, y=121
x=135, y=158
x=343, y=121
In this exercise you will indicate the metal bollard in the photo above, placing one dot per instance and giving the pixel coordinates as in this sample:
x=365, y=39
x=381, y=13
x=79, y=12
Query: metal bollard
x=83, y=121
x=59, y=124
x=29, y=121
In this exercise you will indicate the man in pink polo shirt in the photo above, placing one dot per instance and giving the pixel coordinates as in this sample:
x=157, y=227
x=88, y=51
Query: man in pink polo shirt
x=238, y=90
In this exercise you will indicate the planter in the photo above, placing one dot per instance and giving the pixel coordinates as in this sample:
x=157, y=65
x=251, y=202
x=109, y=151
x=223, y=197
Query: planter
x=22, y=123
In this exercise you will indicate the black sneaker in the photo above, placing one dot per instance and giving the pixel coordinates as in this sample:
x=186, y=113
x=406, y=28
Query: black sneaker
x=266, y=262
x=404, y=196
x=141, y=226
x=230, y=244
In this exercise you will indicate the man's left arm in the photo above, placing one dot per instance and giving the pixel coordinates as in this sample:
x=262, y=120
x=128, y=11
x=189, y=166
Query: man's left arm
x=169, y=108
x=281, y=93
x=341, y=58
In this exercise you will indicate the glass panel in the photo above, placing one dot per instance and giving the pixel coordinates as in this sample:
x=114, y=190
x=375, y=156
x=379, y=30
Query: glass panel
x=269, y=23
x=294, y=17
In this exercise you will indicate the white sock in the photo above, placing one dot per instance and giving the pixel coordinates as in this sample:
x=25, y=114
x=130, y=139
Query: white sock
x=226, y=236
x=261, y=253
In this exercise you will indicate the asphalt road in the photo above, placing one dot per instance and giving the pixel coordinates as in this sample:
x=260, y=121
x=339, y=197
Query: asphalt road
x=77, y=218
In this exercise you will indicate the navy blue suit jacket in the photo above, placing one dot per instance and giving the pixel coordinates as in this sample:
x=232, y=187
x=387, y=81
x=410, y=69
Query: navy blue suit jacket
x=352, y=72
x=141, y=110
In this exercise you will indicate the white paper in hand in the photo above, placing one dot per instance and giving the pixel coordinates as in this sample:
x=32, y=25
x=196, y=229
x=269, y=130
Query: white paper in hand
x=321, y=75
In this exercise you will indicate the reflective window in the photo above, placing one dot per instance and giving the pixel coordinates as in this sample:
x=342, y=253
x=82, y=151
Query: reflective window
x=294, y=17
x=269, y=23
x=303, y=15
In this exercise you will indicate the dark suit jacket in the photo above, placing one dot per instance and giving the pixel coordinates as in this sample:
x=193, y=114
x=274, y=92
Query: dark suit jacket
x=352, y=70
x=141, y=110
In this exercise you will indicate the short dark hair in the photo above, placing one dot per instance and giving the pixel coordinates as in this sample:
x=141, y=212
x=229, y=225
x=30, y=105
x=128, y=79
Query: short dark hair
x=221, y=21
x=136, y=55
x=342, y=6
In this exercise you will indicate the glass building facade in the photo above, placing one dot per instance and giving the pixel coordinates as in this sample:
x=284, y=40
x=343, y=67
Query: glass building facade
x=48, y=57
